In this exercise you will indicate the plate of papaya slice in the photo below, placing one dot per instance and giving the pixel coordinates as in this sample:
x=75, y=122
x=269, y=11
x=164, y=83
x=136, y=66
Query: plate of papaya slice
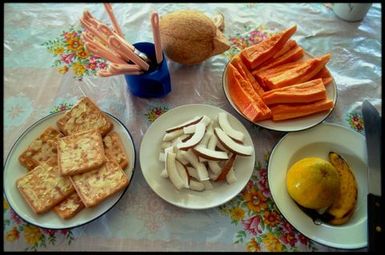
x=277, y=85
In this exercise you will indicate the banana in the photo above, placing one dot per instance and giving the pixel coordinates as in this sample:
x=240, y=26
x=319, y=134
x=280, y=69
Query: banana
x=343, y=206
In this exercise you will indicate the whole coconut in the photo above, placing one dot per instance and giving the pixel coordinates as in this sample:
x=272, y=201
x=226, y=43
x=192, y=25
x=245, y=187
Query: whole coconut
x=190, y=37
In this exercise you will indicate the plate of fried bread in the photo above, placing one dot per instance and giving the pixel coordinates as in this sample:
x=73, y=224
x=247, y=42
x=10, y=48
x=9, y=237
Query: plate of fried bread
x=197, y=156
x=69, y=168
x=279, y=86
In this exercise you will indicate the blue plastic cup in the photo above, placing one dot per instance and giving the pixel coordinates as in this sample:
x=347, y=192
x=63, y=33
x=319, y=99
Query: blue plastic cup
x=153, y=83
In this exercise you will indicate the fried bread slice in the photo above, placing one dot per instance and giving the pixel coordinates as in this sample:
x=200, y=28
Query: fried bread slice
x=96, y=186
x=69, y=207
x=114, y=149
x=42, y=149
x=80, y=152
x=83, y=116
x=43, y=188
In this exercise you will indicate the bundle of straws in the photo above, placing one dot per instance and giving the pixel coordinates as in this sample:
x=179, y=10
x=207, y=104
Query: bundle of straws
x=110, y=44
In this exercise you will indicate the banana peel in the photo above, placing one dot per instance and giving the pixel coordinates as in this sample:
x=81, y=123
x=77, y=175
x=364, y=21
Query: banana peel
x=344, y=204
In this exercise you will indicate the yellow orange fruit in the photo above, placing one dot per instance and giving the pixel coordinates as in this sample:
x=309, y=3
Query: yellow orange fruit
x=313, y=183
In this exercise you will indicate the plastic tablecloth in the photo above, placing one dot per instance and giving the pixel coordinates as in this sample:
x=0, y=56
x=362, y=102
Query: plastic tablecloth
x=41, y=77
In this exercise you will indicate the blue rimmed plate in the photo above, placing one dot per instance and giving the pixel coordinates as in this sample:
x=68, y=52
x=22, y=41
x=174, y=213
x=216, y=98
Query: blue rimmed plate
x=14, y=170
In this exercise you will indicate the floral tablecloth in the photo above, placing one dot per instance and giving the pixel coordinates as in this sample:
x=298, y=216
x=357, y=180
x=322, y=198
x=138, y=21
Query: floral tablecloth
x=46, y=70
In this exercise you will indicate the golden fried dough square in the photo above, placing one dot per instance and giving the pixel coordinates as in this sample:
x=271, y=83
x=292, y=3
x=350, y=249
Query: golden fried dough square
x=80, y=152
x=83, y=116
x=97, y=185
x=69, y=207
x=42, y=149
x=44, y=187
x=114, y=149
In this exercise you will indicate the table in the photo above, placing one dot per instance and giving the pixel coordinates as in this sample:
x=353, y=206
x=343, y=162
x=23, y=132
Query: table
x=37, y=82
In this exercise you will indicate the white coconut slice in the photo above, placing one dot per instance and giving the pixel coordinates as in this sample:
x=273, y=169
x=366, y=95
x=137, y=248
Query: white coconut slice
x=165, y=145
x=195, y=139
x=208, y=185
x=185, y=124
x=192, y=172
x=200, y=167
x=191, y=129
x=179, y=156
x=162, y=157
x=230, y=177
x=172, y=171
x=210, y=154
x=170, y=149
x=231, y=145
x=213, y=165
x=213, y=176
x=208, y=134
x=164, y=173
x=197, y=186
x=182, y=173
x=228, y=129
x=172, y=135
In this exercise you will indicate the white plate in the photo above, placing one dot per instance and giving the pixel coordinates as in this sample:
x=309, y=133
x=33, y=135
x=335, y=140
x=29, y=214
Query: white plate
x=318, y=142
x=293, y=124
x=13, y=170
x=152, y=167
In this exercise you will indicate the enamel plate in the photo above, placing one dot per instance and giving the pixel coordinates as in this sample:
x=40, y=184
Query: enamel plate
x=318, y=142
x=186, y=198
x=293, y=124
x=14, y=170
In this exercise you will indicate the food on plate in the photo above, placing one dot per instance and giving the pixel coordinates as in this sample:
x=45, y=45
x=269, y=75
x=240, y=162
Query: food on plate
x=206, y=153
x=193, y=165
x=301, y=73
x=255, y=55
x=231, y=145
x=245, y=98
x=172, y=171
x=346, y=199
x=190, y=37
x=290, y=56
x=42, y=149
x=43, y=188
x=69, y=207
x=83, y=116
x=306, y=92
x=276, y=58
x=226, y=168
x=195, y=139
x=80, y=152
x=97, y=185
x=313, y=183
x=255, y=76
x=329, y=187
x=290, y=111
x=225, y=125
x=325, y=75
x=95, y=165
x=246, y=74
x=114, y=149
x=185, y=124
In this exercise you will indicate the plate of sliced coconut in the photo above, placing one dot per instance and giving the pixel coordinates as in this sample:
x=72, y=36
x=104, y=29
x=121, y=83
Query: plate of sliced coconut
x=197, y=156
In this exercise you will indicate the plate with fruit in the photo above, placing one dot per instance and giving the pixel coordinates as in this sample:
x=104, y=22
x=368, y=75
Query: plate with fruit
x=318, y=180
x=197, y=156
x=277, y=85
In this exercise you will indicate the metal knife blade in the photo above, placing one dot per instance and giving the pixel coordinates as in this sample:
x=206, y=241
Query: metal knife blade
x=376, y=225
x=372, y=123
